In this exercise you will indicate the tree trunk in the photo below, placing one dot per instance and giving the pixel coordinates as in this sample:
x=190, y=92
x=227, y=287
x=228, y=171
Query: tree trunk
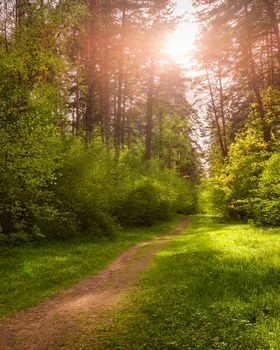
x=78, y=93
x=105, y=93
x=150, y=101
x=6, y=22
x=124, y=117
x=129, y=127
x=254, y=81
x=160, y=143
x=270, y=4
x=20, y=10
x=120, y=78
x=91, y=47
x=215, y=113
x=268, y=59
x=222, y=109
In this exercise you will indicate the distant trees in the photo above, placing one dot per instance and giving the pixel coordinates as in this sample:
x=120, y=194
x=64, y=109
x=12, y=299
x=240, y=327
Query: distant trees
x=83, y=101
x=119, y=50
x=239, y=54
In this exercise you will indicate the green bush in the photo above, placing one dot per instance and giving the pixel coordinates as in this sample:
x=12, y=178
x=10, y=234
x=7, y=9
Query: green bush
x=156, y=197
x=245, y=185
x=266, y=204
x=69, y=189
x=144, y=204
x=29, y=161
x=85, y=192
x=231, y=187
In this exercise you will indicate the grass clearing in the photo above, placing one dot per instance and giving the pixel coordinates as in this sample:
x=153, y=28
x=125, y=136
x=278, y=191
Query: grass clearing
x=34, y=272
x=217, y=286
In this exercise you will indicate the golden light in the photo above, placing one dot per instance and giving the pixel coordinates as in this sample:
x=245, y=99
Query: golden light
x=180, y=43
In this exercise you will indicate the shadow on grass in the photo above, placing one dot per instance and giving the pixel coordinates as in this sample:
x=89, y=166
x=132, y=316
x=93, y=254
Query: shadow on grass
x=31, y=273
x=202, y=294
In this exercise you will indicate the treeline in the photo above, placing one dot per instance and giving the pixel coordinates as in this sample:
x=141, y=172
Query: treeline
x=94, y=123
x=239, y=55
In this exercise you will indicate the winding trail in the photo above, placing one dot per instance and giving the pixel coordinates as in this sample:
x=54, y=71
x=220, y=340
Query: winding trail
x=59, y=320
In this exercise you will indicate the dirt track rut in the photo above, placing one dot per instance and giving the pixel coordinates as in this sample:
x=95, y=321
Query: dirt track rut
x=55, y=322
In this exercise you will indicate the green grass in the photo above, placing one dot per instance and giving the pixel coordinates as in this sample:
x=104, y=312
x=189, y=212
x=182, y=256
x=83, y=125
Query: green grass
x=29, y=274
x=215, y=287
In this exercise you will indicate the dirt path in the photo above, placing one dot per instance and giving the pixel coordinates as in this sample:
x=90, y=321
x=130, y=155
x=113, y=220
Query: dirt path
x=55, y=322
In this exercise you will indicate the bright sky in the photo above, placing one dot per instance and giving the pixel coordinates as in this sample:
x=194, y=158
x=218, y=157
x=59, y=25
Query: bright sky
x=180, y=42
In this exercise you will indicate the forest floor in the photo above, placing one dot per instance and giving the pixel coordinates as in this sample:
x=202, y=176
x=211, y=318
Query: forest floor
x=204, y=285
x=66, y=320
x=216, y=286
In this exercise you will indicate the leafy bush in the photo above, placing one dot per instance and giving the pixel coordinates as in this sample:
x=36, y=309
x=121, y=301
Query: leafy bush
x=156, y=197
x=246, y=185
x=85, y=192
x=107, y=190
x=231, y=188
x=266, y=204
x=144, y=204
x=29, y=159
x=63, y=188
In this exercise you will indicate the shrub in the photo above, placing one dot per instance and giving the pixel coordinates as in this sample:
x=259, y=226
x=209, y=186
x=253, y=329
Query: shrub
x=266, y=204
x=73, y=189
x=144, y=204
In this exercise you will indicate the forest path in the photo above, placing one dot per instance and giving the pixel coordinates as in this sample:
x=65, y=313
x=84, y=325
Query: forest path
x=60, y=320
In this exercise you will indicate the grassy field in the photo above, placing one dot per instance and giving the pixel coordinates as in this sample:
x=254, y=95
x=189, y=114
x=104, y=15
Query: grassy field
x=29, y=274
x=215, y=287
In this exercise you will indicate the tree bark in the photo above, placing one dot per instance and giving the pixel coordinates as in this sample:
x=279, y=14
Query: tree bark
x=120, y=78
x=254, y=81
x=91, y=47
x=78, y=93
x=105, y=93
x=270, y=5
x=5, y=28
x=20, y=10
x=124, y=116
x=222, y=109
x=129, y=128
x=150, y=101
x=215, y=113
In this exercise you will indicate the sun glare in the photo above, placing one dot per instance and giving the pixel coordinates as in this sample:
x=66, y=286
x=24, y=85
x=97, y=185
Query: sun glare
x=180, y=43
